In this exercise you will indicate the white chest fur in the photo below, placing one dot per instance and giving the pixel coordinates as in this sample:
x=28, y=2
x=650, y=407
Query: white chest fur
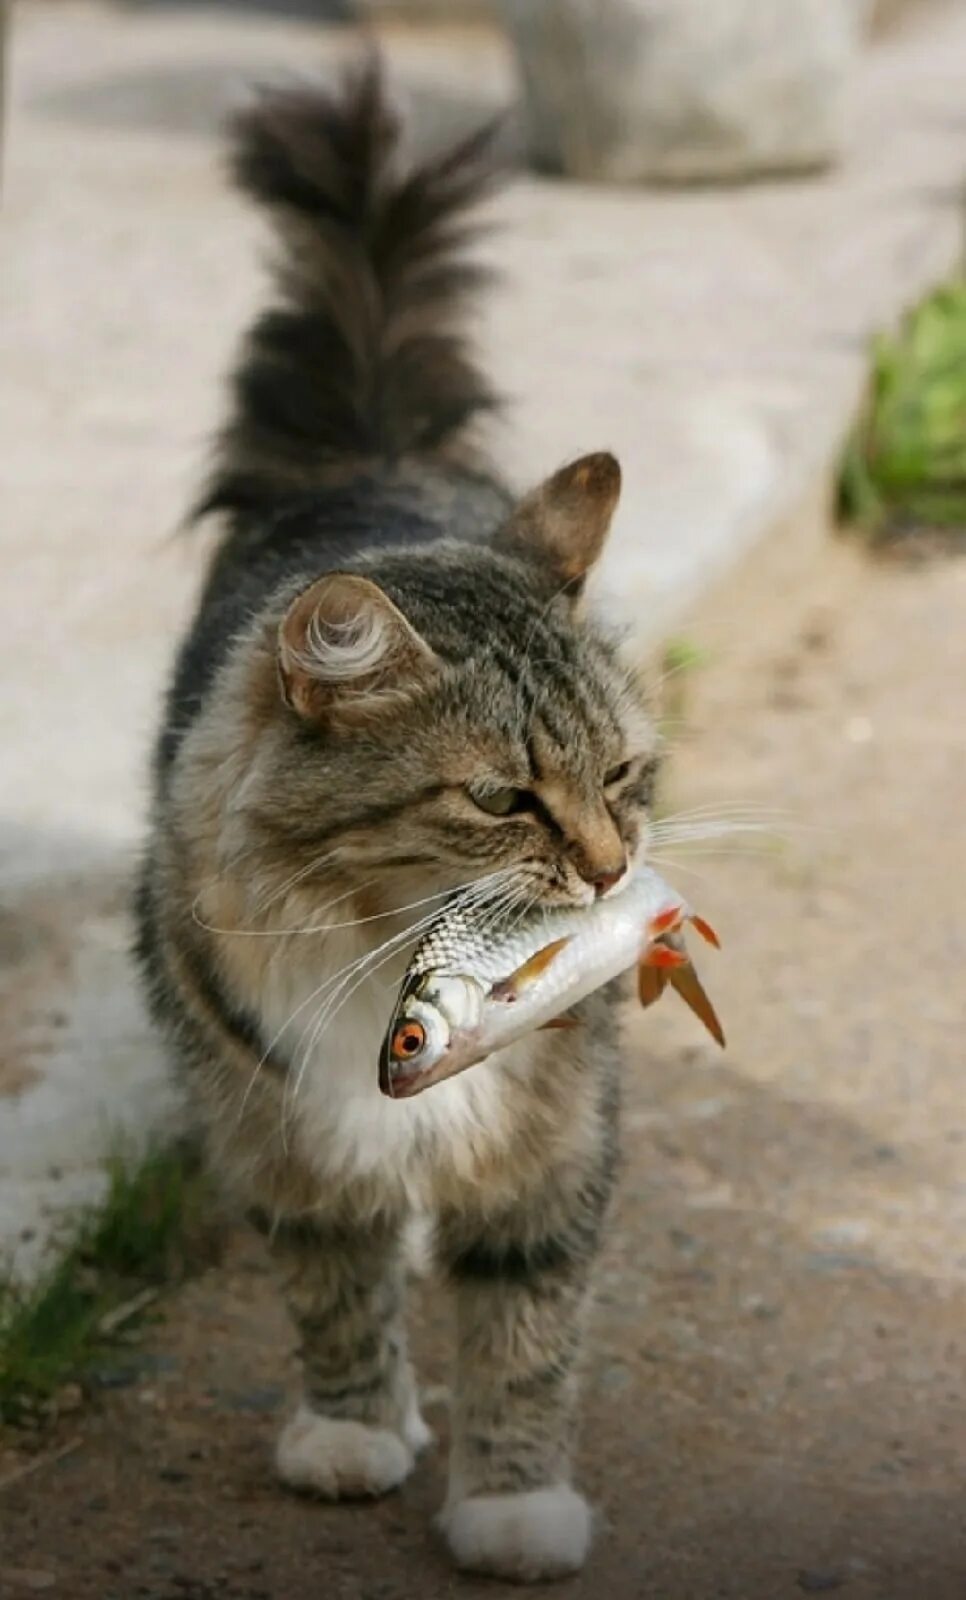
x=335, y=1111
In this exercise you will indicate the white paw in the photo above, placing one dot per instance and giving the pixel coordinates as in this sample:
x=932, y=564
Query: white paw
x=539, y=1534
x=340, y=1460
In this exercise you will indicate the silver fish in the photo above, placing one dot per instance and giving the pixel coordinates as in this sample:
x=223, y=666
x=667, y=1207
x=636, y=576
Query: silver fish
x=470, y=990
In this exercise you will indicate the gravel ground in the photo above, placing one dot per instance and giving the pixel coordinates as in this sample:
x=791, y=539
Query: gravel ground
x=775, y=1399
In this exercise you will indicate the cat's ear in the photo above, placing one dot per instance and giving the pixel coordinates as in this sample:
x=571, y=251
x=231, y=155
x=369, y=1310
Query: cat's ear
x=563, y=524
x=346, y=652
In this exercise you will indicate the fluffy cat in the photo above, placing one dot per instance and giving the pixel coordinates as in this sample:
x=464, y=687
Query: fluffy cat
x=389, y=694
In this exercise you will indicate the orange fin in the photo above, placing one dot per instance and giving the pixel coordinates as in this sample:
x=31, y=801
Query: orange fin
x=566, y=1021
x=706, y=931
x=509, y=988
x=689, y=987
x=665, y=921
x=662, y=955
x=651, y=983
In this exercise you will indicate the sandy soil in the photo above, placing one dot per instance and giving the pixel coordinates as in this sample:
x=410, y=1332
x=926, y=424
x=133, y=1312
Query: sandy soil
x=776, y=1394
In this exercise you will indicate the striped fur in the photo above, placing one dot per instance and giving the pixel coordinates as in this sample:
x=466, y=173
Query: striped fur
x=381, y=635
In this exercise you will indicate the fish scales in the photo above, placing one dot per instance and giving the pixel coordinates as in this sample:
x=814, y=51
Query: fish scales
x=473, y=987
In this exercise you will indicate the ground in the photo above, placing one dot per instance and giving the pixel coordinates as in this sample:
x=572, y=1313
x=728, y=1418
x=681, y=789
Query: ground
x=775, y=1400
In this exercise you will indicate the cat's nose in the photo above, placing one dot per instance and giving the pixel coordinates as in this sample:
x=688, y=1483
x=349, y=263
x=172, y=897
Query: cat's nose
x=604, y=878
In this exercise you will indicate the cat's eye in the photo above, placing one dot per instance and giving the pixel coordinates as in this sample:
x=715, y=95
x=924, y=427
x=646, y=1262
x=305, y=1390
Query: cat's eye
x=616, y=774
x=500, y=802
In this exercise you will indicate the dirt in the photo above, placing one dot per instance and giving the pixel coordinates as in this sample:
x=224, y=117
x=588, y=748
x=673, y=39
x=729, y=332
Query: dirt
x=776, y=1391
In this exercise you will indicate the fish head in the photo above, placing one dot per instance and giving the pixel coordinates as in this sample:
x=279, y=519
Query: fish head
x=436, y=1030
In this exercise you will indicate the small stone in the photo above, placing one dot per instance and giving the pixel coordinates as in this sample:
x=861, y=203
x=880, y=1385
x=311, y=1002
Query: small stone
x=757, y=1306
x=813, y=1581
x=258, y=1401
x=859, y=730
x=112, y=1377
x=850, y=1231
x=70, y=1397
x=30, y=1579
x=829, y=1261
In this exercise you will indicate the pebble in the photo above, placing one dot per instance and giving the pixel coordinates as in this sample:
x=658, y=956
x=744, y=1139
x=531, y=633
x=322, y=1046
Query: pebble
x=817, y=1582
x=30, y=1579
x=829, y=1261
x=70, y=1397
x=112, y=1377
x=615, y=1377
x=257, y=1401
x=844, y=1234
x=757, y=1306
x=859, y=730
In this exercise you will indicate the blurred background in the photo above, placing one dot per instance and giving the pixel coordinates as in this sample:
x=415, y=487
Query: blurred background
x=731, y=250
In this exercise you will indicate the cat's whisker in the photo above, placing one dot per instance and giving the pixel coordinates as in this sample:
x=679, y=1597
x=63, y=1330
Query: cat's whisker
x=476, y=894
x=280, y=933
x=359, y=969
x=335, y=984
x=718, y=852
x=350, y=981
x=330, y=981
x=674, y=865
x=219, y=877
x=497, y=912
x=728, y=808
x=290, y=883
x=327, y=927
x=710, y=830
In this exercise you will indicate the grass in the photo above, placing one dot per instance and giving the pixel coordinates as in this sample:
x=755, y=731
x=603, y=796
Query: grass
x=154, y=1225
x=680, y=659
x=904, y=467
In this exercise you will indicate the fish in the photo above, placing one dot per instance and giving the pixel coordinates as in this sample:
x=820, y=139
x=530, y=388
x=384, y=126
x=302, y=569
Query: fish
x=471, y=989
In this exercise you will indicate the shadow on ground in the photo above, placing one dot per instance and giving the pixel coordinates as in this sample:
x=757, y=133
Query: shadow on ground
x=762, y=1417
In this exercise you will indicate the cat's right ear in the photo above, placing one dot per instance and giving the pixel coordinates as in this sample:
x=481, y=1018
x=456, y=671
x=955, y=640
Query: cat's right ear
x=346, y=653
x=563, y=524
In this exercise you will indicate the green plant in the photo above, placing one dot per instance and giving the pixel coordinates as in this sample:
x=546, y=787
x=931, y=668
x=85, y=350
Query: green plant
x=683, y=655
x=154, y=1224
x=904, y=466
x=680, y=659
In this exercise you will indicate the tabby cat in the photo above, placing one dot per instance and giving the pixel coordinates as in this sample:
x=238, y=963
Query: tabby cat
x=389, y=696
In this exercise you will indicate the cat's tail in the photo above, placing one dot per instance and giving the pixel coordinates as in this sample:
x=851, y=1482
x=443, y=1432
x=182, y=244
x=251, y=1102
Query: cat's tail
x=362, y=357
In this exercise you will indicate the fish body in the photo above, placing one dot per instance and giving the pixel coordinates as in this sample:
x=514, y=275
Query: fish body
x=471, y=988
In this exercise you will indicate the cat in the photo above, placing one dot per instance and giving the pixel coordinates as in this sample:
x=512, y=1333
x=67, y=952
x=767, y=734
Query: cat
x=389, y=695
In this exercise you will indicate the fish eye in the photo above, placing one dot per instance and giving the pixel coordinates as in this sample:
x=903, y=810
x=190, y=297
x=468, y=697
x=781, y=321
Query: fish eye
x=616, y=774
x=501, y=802
x=408, y=1039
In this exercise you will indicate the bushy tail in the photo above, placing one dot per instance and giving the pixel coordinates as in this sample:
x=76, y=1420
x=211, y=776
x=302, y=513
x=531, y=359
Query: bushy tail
x=362, y=357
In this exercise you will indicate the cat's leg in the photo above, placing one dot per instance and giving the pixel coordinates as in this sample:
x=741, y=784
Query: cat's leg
x=522, y=1288
x=358, y=1428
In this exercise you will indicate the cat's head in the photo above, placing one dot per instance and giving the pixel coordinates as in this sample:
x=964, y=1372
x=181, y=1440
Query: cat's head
x=445, y=713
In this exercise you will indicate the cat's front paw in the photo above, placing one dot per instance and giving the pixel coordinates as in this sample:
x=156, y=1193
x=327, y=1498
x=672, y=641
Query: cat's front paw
x=527, y=1537
x=340, y=1460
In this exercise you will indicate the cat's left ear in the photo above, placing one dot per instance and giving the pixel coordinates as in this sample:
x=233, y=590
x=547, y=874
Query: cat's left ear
x=562, y=525
x=346, y=653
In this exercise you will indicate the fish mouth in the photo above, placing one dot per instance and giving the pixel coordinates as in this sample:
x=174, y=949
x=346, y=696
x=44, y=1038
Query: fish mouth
x=398, y=1083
